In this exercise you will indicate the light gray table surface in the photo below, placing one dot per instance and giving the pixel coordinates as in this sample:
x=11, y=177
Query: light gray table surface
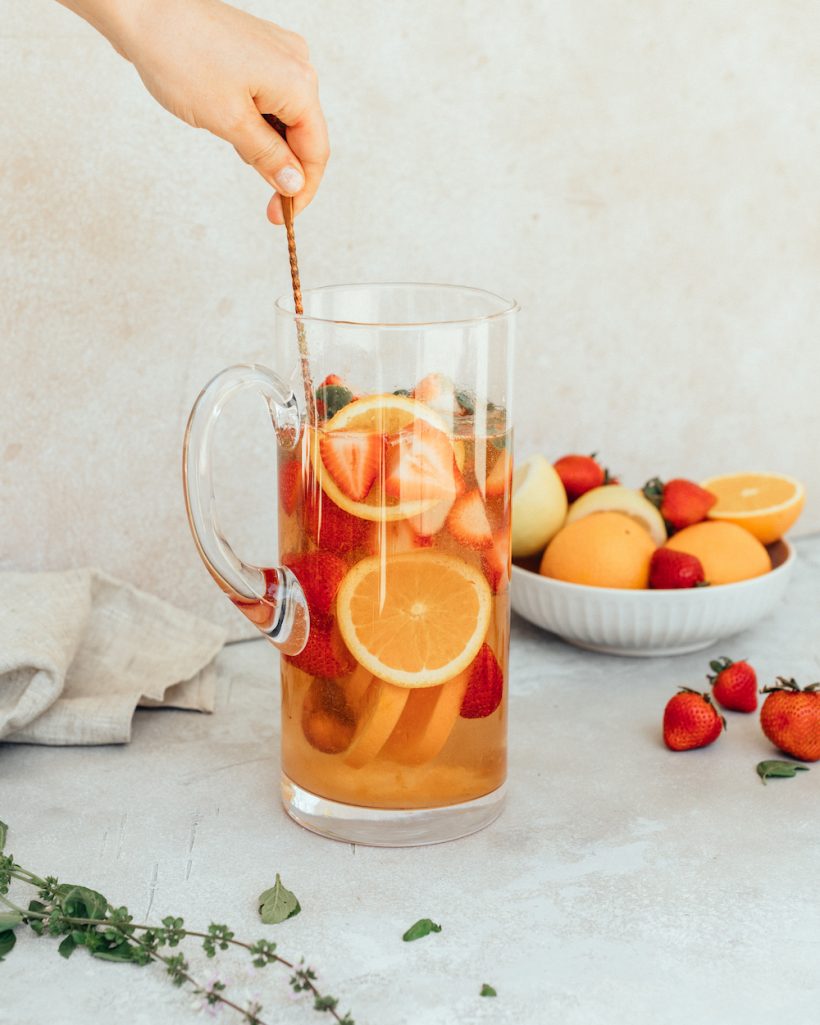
x=622, y=884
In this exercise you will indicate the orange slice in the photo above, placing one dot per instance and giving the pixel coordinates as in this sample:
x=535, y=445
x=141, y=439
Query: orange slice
x=765, y=504
x=383, y=415
x=415, y=619
x=426, y=722
x=376, y=717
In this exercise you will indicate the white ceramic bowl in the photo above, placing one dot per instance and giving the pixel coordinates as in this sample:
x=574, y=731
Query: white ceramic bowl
x=623, y=622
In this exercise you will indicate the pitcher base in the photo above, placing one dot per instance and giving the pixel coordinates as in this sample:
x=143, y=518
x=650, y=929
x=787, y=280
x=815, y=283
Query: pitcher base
x=389, y=827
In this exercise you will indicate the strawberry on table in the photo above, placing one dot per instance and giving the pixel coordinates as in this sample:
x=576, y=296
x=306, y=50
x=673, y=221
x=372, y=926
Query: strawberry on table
x=690, y=720
x=485, y=686
x=669, y=569
x=790, y=718
x=468, y=521
x=580, y=474
x=734, y=684
x=352, y=458
x=682, y=503
x=319, y=574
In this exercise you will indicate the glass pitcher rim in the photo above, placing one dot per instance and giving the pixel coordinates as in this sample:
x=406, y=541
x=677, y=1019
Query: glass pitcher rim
x=507, y=306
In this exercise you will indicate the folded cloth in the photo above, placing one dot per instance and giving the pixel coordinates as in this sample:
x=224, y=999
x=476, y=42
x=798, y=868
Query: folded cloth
x=80, y=650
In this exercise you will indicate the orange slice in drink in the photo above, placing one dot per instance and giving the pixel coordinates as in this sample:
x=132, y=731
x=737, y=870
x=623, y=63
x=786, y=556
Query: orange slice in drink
x=765, y=504
x=384, y=416
x=426, y=722
x=415, y=619
x=376, y=716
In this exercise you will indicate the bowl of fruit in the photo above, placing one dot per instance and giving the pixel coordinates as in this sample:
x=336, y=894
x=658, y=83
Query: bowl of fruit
x=665, y=569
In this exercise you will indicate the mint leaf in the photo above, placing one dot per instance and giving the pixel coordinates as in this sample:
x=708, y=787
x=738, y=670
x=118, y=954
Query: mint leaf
x=775, y=768
x=487, y=991
x=333, y=397
x=423, y=927
x=277, y=904
x=80, y=902
x=67, y=947
x=4, y=832
x=7, y=941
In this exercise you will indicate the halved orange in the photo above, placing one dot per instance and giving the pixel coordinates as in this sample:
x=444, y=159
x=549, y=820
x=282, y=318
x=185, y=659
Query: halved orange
x=426, y=722
x=415, y=619
x=383, y=415
x=765, y=504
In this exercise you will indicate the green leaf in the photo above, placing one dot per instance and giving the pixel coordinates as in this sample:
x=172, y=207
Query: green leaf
x=122, y=952
x=775, y=768
x=333, y=397
x=487, y=991
x=277, y=904
x=466, y=400
x=80, y=902
x=9, y=920
x=423, y=927
x=67, y=947
x=7, y=940
x=4, y=832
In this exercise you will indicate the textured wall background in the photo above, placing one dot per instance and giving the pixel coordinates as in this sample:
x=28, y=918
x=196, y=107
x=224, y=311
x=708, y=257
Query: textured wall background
x=642, y=177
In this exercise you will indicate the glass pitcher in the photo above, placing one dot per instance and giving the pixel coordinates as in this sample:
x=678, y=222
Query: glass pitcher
x=390, y=603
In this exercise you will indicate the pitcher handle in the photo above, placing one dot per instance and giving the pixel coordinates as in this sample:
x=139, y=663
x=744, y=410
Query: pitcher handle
x=271, y=598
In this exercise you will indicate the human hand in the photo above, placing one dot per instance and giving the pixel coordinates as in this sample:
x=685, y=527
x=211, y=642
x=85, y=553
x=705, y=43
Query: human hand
x=218, y=68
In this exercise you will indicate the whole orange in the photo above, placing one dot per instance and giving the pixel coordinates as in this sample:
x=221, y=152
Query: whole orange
x=728, y=553
x=604, y=549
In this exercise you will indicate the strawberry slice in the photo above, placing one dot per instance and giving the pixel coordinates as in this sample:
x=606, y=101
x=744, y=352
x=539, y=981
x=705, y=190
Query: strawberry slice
x=290, y=482
x=352, y=459
x=420, y=464
x=325, y=653
x=468, y=521
x=319, y=574
x=485, y=686
x=495, y=561
x=499, y=479
x=426, y=524
x=330, y=527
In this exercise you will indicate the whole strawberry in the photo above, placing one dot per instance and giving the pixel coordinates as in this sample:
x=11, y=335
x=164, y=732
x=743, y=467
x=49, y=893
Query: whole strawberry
x=669, y=569
x=690, y=720
x=790, y=718
x=734, y=685
x=580, y=474
x=682, y=502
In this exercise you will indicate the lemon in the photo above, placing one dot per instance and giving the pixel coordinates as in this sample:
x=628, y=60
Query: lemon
x=539, y=506
x=617, y=498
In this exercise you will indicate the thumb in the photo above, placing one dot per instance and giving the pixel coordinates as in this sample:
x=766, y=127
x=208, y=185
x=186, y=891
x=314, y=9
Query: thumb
x=264, y=149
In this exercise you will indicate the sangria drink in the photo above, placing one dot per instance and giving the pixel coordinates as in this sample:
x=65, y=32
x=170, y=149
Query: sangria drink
x=394, y=518
x=390, y=603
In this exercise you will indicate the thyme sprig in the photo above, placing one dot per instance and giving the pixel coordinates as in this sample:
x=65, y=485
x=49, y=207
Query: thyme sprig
x=85, y=918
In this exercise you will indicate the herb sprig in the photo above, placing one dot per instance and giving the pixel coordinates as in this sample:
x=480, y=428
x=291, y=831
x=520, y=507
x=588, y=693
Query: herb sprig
x=85, y=918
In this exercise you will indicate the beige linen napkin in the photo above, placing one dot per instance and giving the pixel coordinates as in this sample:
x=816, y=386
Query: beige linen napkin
x=80, y=650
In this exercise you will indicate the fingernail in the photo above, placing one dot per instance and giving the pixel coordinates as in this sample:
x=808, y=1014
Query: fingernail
x=289, y=180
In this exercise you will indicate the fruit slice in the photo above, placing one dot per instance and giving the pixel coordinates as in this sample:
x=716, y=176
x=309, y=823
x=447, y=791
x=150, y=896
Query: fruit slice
x=352, y=458
x=495, y=561
x=468, y=522
x=499, y=479
x=765, y=504
x=420, y=465
x=617, y=498
x=324, y=654
x=376, y=716
x=431, y=521
x=327, y=718
x=539, y=506
x=383, y=416
x=319, y=574
x=485, y=686
x=426, y=722
x=414, y=620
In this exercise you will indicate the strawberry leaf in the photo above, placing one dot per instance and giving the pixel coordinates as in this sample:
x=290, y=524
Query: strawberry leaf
x=423, y=927
x=774, y=768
